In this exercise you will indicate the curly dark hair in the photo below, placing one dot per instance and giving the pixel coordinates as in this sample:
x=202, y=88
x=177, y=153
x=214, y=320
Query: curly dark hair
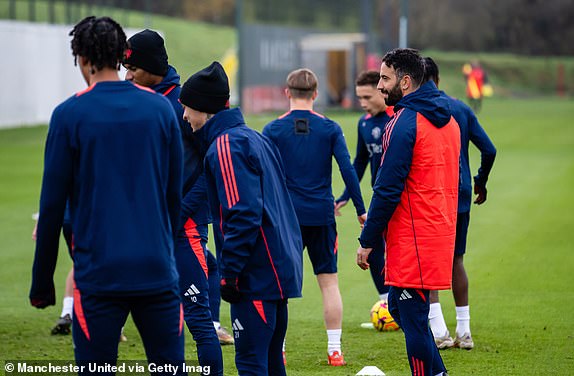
x=101, y=41
x=406, y=61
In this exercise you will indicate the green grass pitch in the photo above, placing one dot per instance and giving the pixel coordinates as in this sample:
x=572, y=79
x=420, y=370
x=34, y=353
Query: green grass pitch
x=520, y=260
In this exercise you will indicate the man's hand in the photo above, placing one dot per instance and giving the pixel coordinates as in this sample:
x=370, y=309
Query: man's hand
x=43, y=299
x=480, y=191
x=338, y=206
x=362, y=256
x=229, y=290
x=362, y=219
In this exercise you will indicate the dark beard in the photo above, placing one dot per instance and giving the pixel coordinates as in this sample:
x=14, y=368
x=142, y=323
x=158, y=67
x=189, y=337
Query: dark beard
x=393, y=96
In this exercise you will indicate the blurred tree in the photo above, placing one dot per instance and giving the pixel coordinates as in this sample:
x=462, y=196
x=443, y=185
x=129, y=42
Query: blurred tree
x=215, y=11
x=533, y=27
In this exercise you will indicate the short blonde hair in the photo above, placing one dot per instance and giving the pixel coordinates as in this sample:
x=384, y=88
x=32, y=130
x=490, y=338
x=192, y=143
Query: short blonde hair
x=302, y=83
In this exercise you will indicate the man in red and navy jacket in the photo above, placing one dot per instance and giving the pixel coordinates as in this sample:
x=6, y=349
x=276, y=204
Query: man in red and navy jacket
x=260, y=255
x=414, y=202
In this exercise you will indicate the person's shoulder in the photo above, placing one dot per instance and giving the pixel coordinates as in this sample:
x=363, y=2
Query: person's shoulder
x=322, y=119
x=144, y=88
x=364, y=118
x=404, y=114
x=405, y=117
x=275, y=124
x=148, y=98
x=67, y=107
x=70, y=101
x=236, y=137
x=458, y=104
x=460, y=110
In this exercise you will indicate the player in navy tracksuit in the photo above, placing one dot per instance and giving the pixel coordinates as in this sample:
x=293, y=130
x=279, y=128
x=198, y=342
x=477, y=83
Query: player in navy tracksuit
x=470, y=131
x=307, y=142
x=114, y=150
x=64, y=323
x=259, y=257
x=147, y=64
x=369, y=151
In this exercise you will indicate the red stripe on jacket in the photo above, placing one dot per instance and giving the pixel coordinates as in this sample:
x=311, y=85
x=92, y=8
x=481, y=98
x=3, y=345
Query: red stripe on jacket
x=388, y=131
x=223, y=167
x=227, y=170
x=271, y=262
x=169, y=90
x=234, y=191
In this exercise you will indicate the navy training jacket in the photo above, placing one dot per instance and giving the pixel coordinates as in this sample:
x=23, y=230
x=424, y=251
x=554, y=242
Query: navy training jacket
x=194, y=204
x=115, y=151
x=307, y=142
x=249, y=201
x=470, y=131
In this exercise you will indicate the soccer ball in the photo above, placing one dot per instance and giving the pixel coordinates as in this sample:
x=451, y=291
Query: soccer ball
x=381, y=317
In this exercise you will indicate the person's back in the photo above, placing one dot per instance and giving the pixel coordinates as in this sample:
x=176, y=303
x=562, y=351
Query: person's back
x=124, y=159
x=471, y=131
x=308, y=141
x=228, y=135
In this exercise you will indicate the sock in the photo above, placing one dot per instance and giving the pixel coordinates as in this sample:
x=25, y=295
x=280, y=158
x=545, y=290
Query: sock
x=217, y=325
x=384, y=296
x=67, y=306
x=436, y=320
x=462, y=320
x=334, y=340
x=284, y=346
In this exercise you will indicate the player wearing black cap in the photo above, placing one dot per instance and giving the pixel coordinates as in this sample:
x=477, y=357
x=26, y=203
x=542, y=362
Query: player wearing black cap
x=260, y=253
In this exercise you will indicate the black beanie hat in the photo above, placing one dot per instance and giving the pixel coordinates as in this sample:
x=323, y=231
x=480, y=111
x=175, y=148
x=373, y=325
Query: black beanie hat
x=207, y=90
x=147, y=51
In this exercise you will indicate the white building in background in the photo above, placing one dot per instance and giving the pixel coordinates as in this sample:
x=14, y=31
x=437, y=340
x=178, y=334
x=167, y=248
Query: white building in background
x=37, y=71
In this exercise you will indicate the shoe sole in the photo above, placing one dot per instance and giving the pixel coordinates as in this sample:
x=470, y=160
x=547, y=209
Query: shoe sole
x=445, y=345
x=464, y=346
